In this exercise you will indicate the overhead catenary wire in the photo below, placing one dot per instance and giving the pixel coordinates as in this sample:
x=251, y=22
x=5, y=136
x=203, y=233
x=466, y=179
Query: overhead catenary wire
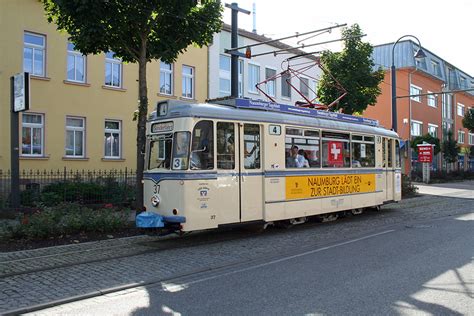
x=275, y=52
x=286, y=37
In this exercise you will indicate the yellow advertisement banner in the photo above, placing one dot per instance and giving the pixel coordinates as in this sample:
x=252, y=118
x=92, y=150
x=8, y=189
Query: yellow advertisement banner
x=321, y=186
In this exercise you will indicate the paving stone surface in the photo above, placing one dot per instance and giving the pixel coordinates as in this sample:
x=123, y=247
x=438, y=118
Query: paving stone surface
x=115, y=263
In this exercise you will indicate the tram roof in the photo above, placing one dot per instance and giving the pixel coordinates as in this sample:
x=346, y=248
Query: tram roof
x=262, y=111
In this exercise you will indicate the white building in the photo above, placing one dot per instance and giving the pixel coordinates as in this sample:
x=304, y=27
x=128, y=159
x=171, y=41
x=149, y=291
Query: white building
x=257, y=69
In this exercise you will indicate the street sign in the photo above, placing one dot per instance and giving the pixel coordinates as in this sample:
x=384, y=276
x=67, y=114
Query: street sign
x=21, y=91
x=425, y=153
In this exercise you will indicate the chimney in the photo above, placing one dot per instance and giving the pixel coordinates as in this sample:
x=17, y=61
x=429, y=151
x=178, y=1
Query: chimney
x=254, y=16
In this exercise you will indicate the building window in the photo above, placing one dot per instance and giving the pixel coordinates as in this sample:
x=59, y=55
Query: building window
x=447, y=106
x=34, y=53
x=224, y=75
x=460, y=137
x=271, y=83
x=166, y=78
x=420, y=62
x=76, y=64
x=32, y=138
x=112, y=139
x=241, y=78
x=304, y=87
x=463, y=83
x=188, y=82
x=75, y=136
x=471, y=138
x=460, y=109
x=433, y=130
x=416, y=128
x=113, y=70
x=432, y=99
x=436, y=69
x=414, y=92
x=285, y=85
x=313, y=88
x=254, y=77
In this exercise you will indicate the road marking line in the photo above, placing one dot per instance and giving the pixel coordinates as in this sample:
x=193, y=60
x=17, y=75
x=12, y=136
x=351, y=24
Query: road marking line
x=170, y=287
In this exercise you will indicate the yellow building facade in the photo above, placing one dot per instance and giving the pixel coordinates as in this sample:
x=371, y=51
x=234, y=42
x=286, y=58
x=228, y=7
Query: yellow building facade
x=81, y=107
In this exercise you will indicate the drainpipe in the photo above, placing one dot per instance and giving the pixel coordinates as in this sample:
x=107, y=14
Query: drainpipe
x=409, y=121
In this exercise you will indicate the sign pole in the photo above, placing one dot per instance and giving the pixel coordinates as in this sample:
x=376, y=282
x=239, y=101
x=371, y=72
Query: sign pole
x=425, y=156
x=15, y=152
x=20, y=101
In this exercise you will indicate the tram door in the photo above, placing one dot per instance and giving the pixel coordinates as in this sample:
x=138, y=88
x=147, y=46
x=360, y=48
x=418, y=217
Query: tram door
x=389, y=170
x=251, y=174
x=228, y=192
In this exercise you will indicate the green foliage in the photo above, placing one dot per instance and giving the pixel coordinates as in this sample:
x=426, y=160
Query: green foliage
x=450, y=148
x=103, y=190
x=471, y=153
x=468, y=120
x=427, y=138
x=66, y=218
x=354, y=69
x=408, y=189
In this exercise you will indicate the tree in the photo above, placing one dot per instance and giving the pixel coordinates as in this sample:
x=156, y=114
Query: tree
x=468, y=120
x=450, y=148
x=427, y=138
x=353, y=67
x=137, y=32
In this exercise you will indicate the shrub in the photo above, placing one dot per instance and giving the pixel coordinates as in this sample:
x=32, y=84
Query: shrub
x=65, y=218
x=408, y=189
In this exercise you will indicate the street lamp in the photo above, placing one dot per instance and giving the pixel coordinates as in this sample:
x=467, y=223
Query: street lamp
x=420, y=54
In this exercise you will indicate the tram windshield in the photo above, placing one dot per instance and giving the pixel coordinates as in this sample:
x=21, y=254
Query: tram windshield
x=169, y=151
x=160, y=152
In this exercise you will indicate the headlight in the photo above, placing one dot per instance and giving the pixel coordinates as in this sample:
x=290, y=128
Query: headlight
x=155, y=200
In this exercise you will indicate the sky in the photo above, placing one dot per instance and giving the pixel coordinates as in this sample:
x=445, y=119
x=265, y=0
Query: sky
x=443, y=27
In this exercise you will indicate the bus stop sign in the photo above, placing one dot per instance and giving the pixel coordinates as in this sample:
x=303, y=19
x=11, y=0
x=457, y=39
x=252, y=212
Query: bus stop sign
x=425, y=153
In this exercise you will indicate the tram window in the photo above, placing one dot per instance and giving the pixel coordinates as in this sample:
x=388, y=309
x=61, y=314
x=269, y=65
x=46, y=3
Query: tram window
x=180, y=150
x=160, y=152
x=294, y=131
x=397, y=154
x=336, y=150
x=302, y=152
x=251, y=146
x=311, y=133
x=363, y=151
x=384, y=153
x=202, y=148
x=389, y=153
x=225, y=145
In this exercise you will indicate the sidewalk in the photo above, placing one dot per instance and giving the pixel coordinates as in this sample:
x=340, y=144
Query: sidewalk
x=463, y=189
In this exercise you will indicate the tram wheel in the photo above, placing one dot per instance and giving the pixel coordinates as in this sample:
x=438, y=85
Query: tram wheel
x=328, y=217
x=285, y=224
x=357, y=211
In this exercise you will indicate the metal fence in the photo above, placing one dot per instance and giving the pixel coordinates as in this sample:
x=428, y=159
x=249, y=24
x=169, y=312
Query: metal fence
x=49, y=187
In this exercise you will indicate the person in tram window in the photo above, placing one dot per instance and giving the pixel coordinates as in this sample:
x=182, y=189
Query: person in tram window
x=302, y=156
x=294, y=160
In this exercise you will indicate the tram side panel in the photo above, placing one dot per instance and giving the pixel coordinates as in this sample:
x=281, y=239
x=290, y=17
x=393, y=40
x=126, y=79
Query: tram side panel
x=274, y=166
x=381, y=172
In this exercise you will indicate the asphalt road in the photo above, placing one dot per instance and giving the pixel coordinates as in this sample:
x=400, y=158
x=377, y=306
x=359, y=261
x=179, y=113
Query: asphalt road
x=416, y=268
